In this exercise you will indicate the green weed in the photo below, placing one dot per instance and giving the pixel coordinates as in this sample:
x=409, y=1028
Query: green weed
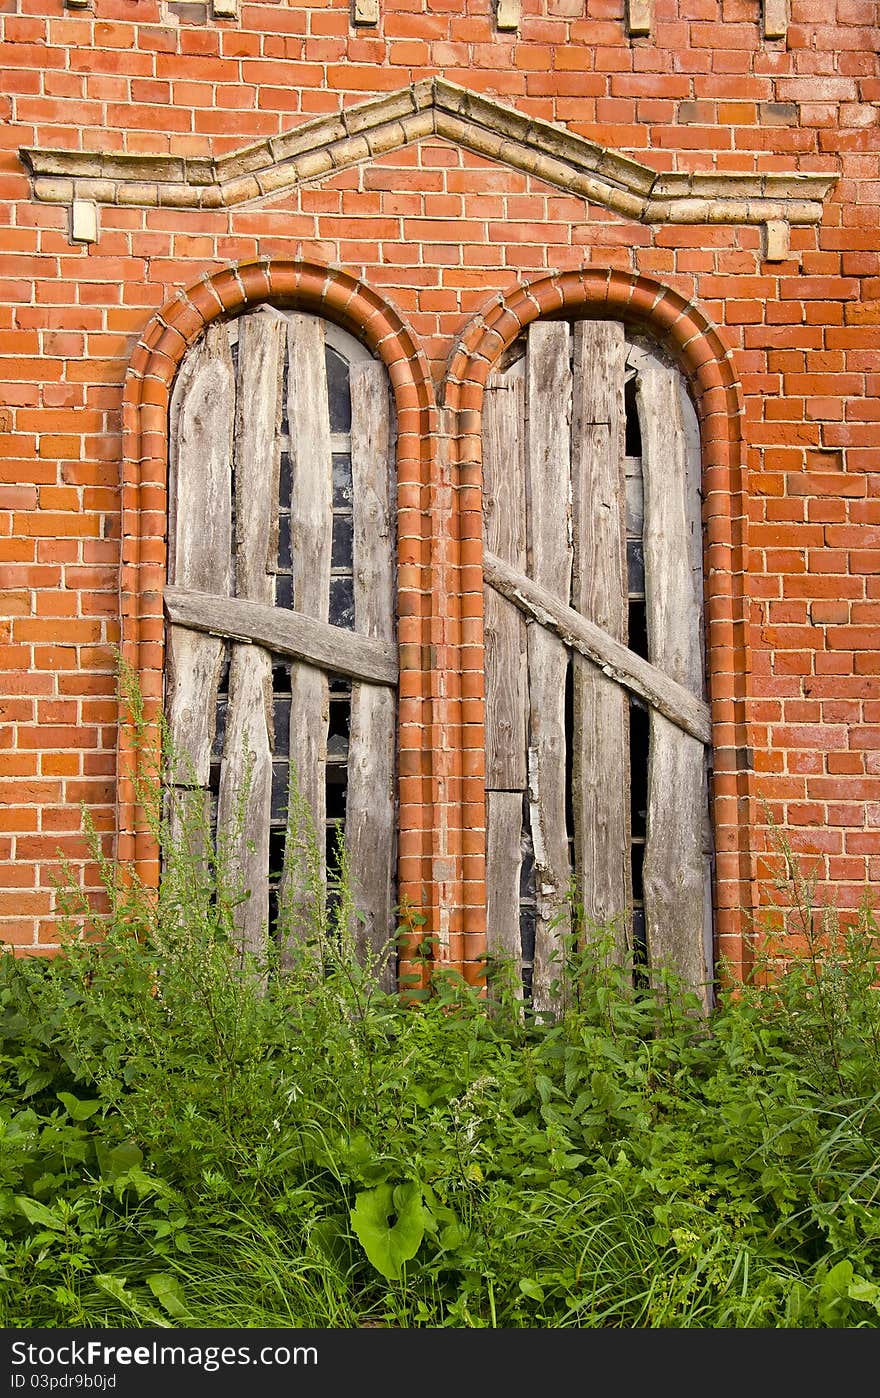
x=191, y=1136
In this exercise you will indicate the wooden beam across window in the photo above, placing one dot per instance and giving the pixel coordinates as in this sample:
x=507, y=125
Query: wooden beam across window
x=285, y=632
x=657, y=689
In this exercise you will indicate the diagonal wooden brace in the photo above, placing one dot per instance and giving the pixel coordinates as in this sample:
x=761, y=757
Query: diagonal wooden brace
x=618, y=662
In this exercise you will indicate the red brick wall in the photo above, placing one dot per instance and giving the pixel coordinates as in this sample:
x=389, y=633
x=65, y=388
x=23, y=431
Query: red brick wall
x=438, y=234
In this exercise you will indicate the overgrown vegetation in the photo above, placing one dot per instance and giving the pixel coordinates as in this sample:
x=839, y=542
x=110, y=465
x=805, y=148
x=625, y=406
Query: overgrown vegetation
x=191, y=1139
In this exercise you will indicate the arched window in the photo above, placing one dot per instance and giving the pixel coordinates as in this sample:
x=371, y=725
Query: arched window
x=598, y=735
x=281, y=658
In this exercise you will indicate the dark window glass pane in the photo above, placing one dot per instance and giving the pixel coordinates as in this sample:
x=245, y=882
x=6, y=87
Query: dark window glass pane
x=527, y=934
x=338, y=392
x=340, y=709
x=342, y=550
x=282, y=727
x=283, y=590
x=633, y=430
x=342, y=483
x=337, y=778
x=279, y=790
x=220, y=730
x=638, y=627
x=640, y=940
x=639, y=729
x=285, y=556
x=637, y=853
x=342, y=602
x=285, y=486
x=276, y=853
x=635, y=565
x=280, y=676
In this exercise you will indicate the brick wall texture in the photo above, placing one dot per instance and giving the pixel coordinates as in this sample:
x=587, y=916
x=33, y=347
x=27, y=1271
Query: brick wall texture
x=441, y=254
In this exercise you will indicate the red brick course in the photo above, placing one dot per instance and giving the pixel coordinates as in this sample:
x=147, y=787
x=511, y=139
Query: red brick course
x=439, y=257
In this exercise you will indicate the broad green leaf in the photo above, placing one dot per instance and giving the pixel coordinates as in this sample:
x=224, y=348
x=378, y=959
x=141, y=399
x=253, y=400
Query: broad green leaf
x=116, y=1160
x=78, y=1109
x=860, y=1289
x=532, y=1289
x=35, y=1212
x=453, y=1236
x=389, y=1244
x=168, y=1292
x=116, y=1287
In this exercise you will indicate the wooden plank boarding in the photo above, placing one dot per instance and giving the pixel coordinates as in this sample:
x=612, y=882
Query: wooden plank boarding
x=370, y=823
x=200, y=544
x=311, y=537
x=243, y=806
x=675, y=862
x=600, y=758
x=678, y=704
x=504, y=514
x=504, y=629
x=244, y=801
x=504, y=823
x=548, y=445
x=286, y=633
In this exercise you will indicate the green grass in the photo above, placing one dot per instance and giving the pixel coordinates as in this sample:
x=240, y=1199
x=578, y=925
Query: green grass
x=191, y=1139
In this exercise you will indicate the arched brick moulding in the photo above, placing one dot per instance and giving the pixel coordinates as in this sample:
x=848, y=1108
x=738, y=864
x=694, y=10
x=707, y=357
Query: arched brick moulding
x=691, y=337
x=335, y=295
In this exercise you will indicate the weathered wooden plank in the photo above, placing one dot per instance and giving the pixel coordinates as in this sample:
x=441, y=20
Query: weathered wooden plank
x=311, y=534
x=287, y=633
x=504, y=821
x=681, y=707
x=694, y=513
x=600, y=713
x=548, y=463
x=370, y=818
x=675, y=865
x=187, y=812
x=244, y=802
x=370, y=824
x=243, y=807
x=200, y=542
x=504, y=516
x=261, y=348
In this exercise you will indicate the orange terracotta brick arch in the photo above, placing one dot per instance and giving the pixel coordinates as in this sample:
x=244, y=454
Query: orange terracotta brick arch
x=694, y=341
x=337, y=296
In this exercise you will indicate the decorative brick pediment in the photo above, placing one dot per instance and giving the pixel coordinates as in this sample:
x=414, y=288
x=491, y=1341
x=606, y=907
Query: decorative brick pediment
x=431, y=108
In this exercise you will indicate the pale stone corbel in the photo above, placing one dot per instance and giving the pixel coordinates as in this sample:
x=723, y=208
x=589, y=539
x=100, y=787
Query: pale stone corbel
x=365, y=12
x=775, y=19
x=508, y=14
x=777, y=240
x=83, y=221
x=639, y=17
x=224, y=9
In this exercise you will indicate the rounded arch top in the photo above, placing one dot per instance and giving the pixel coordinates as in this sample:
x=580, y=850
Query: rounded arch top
x=661, y=312
x=329, y=292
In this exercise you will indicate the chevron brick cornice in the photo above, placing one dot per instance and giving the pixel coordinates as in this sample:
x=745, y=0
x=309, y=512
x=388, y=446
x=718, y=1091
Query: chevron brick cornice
x=433, y=107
